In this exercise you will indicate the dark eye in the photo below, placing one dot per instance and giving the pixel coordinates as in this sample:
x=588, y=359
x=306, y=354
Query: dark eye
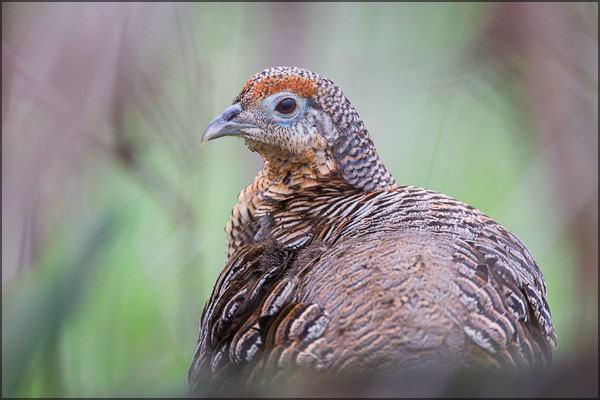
x=286, y=106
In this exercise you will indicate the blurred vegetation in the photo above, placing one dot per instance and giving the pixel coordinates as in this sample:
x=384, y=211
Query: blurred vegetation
x=113, y=215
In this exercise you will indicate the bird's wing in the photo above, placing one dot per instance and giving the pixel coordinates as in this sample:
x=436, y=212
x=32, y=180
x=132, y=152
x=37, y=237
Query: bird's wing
x=504, y=290
x=253, y=307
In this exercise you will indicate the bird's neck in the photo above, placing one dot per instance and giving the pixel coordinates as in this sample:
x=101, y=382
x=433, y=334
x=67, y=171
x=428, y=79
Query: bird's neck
x=297, y=171
x=283, y=176
x=288, y=173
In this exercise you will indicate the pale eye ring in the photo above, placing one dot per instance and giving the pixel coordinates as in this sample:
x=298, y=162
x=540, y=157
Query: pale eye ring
x=286, y=106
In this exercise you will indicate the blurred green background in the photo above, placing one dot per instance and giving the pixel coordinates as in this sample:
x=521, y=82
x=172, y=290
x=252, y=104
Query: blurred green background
x=113, y=215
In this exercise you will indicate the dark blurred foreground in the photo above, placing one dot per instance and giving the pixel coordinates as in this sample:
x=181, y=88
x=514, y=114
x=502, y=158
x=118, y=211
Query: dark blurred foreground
x=577, y=377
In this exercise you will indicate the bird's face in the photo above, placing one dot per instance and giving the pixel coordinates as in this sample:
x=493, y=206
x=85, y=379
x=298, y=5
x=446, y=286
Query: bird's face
x=278, y=111
x=295, y=116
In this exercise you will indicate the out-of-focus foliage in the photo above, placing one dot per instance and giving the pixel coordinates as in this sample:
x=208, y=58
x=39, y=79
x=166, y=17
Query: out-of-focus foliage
x=113, y=215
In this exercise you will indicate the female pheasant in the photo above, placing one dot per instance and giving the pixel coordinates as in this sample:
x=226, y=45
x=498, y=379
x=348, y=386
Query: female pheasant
x=332, y=267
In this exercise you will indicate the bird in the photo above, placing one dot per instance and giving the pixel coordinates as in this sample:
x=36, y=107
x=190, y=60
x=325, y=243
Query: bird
x=333, y=268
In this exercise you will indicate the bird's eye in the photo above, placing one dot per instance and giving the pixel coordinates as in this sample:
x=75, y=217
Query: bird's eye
x=286, y=106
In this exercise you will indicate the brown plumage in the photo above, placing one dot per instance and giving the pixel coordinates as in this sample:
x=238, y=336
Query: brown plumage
x=334, y=268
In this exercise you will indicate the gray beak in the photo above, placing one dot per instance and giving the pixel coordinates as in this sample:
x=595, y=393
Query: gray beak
x=224, y=125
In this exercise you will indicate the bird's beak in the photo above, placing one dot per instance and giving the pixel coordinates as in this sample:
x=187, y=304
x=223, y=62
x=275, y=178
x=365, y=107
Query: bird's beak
x=225, y=124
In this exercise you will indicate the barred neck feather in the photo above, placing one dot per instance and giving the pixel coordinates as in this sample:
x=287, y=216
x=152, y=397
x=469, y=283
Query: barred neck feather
x=283, y=175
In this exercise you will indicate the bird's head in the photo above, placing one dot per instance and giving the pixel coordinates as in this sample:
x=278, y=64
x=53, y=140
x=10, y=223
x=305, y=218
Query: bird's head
x=288, y=112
